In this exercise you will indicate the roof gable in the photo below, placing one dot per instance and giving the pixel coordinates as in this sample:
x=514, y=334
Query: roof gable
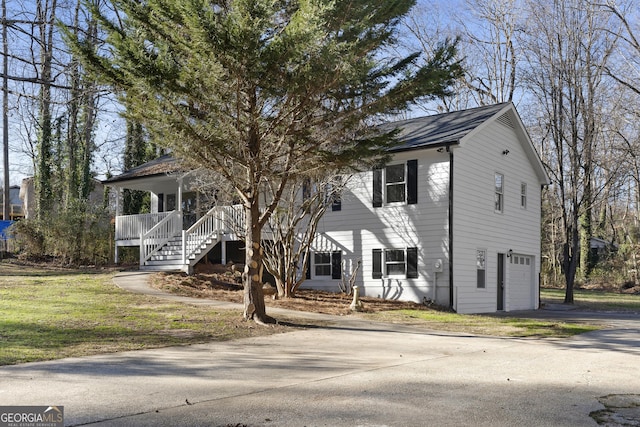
x=440, y=129
x=459, y=127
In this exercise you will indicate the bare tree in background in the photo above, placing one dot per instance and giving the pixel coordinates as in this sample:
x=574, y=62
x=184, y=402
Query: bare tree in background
x=567, y=52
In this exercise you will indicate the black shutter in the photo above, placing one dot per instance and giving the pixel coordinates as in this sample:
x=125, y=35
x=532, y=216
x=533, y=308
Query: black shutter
x=306, y=189
x=336, y=205
x=412, y=263
x=336, y=194
x=307, y=274
x=377, y=188
x=377, y=263
x=412, y=182
x=336, y=265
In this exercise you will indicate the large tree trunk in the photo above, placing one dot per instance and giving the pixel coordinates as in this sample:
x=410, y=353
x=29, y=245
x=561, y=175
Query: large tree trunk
x=254, y=307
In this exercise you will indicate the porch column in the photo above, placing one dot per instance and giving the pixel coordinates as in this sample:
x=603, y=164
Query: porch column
x=118, y=191
x=118, y=206
x=179, y=201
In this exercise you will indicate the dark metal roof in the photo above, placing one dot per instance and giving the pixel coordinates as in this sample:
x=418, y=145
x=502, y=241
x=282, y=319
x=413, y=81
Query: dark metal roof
x=440, y=129
x=421, y=132
x=160, y=166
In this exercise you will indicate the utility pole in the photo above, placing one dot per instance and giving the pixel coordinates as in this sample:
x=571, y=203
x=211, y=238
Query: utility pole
x=5, y=113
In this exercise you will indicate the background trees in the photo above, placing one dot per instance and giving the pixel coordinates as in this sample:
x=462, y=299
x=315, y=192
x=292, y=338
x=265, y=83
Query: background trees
x=571, y=67
x=51, y=114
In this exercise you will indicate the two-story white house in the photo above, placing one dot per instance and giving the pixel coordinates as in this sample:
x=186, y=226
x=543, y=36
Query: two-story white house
x=453, y=218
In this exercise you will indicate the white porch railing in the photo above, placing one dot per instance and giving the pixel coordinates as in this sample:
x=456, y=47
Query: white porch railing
x=153, y=231
x=159, y=235
x=131, y=227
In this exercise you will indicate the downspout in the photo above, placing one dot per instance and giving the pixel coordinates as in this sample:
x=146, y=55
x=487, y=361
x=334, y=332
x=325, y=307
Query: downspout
x=450, y=226
x=540, y=254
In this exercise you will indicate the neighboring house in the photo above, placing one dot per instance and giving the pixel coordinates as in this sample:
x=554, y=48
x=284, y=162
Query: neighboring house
x=27, y=196
x=15, y=204
x=453, y=218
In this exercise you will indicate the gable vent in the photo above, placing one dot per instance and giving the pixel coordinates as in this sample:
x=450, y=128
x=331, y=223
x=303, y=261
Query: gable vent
x=506, y=121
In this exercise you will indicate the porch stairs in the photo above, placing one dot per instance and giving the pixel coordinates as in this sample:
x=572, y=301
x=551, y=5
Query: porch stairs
x=166, y=247
x=170, y=256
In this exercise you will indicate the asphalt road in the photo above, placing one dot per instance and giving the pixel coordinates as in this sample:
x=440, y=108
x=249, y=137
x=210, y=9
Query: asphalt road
x=352, y=373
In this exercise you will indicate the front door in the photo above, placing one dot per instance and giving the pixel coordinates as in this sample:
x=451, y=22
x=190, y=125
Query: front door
x=500, y=302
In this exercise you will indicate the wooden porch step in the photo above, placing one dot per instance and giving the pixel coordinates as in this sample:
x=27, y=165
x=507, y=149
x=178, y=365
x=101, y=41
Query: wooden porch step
x=162, y=267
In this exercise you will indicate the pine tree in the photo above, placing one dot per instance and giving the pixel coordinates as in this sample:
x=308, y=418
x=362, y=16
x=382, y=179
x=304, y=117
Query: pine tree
x=261, y=90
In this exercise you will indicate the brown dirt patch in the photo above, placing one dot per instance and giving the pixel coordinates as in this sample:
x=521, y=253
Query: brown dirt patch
x=220, y=284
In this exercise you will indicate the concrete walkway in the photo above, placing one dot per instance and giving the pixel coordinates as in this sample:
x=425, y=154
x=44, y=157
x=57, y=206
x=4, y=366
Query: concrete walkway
x=351, y=373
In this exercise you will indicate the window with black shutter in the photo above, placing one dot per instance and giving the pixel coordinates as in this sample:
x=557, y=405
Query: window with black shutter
x=377, y=188
x=377, y=263
x=336, y=265
x=412, y=182
x=396, y=262
x=412, y=263
x=396, y=184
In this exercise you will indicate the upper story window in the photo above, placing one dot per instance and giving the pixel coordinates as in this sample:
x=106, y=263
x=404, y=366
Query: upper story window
x=396, y=183
x=523, y=195
x=330, y=192
x=499, y=192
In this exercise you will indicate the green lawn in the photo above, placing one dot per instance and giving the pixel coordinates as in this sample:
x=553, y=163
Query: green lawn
x=594, y=300
x=48, y=315
x=486, y=324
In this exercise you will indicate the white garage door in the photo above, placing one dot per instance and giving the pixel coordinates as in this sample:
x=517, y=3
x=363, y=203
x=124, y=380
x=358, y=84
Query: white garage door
x=520, y=286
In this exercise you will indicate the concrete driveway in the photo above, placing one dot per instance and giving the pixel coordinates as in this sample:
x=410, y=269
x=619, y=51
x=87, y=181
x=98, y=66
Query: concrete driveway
x=352, y=373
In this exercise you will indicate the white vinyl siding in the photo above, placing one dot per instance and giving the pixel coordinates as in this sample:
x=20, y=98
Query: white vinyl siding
x=368, y=225
x=476, y=163
x=360, y=228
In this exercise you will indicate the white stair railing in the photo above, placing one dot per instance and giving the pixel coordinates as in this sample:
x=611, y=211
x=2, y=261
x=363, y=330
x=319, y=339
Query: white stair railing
x=219, y=220
x=158, y=236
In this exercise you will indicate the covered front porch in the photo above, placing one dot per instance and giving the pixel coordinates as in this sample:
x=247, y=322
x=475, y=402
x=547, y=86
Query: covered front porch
x=180, y=228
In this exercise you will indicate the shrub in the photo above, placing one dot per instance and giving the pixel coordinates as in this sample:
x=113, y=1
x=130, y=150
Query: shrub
x=76, y=235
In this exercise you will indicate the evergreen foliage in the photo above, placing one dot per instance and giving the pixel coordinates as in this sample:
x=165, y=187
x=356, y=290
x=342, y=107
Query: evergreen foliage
x=264, y=90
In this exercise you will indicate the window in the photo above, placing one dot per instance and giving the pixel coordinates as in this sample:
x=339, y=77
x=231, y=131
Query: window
x=330, y=191
x=481, y=259
x=523, y=195
x=499, y=197
x=322, y=263
x=396, y=184
x=396, y=262
x=328, y=264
